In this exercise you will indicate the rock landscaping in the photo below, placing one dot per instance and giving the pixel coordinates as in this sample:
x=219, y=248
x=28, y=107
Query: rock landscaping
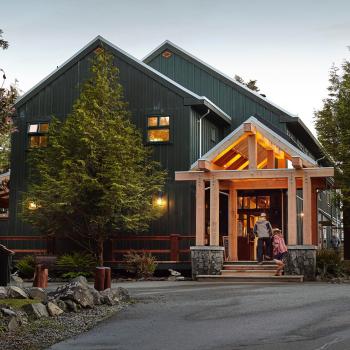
x=24, y=311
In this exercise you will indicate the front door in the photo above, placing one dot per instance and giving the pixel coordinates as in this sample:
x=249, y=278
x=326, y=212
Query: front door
x=250, y=205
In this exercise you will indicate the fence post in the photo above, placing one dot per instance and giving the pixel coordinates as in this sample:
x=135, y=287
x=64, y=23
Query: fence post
x=100, y=278
x=174, y=247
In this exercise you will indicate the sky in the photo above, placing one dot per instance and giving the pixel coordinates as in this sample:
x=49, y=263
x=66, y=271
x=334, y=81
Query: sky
x=288, y=46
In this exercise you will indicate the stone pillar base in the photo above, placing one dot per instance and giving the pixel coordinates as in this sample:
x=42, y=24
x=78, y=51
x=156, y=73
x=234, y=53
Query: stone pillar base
x=207, y=260
x=301, y=260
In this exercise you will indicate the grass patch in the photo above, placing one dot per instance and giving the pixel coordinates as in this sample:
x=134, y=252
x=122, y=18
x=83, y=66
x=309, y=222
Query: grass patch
x=18, y=303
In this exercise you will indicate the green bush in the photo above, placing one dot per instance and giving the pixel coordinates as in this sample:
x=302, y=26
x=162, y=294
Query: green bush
x=76, y=264
x=329, y=263
x=142, y=265
x=26, y=266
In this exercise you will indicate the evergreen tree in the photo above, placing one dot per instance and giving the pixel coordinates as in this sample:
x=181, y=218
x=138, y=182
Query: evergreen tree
x=332, y=126
x=95, y=178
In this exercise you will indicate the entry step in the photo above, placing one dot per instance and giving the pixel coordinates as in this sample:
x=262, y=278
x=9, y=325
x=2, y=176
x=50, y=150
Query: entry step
x=258, y=279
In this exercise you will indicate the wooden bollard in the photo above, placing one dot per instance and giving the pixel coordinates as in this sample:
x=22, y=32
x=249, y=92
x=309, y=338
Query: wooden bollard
x=45, y=273
x=37, y=276
x=100, y=278
x=107, y=277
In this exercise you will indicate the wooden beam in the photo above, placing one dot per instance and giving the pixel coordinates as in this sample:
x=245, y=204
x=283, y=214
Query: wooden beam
x=214, y=212
x=205, y=165
x=249, y=128
x=307, y=229
x=253, y=174
x=297, y=163
x=270, y=159
x=200, y=212
x=314, y=210
x=252, y=152
x=282, y=163
x=292, y=211
x=232, y=225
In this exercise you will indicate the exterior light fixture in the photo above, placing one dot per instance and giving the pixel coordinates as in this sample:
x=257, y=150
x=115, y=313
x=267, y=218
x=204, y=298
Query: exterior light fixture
x=301, y=215
x=160, y=200
x=32, y=206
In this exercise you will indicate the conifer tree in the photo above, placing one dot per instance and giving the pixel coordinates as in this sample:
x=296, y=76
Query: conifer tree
x=95, y=178
x=332, y=125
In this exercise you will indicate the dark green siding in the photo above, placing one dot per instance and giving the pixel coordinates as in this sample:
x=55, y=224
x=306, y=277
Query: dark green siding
x=145, y=96
x=231, y=99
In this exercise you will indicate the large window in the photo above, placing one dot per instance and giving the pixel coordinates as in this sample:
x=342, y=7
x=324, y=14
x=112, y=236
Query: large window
x=38, y=134
x=158, y=128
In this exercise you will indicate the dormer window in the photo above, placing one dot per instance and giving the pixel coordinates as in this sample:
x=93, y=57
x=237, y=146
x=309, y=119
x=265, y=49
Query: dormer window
x=158, y=128
x=38, y=134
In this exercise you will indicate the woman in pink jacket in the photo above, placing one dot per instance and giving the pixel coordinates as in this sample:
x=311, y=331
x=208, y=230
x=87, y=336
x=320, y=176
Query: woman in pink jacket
x=279, y=250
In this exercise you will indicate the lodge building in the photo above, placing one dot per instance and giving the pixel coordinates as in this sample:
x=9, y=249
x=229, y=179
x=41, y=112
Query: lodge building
x=229, y=151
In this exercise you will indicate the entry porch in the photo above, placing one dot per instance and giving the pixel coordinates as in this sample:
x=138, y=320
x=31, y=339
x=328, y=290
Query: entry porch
x=256, y=158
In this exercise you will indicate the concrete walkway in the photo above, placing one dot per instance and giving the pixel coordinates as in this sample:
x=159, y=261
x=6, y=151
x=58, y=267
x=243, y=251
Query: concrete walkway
x=191, y=316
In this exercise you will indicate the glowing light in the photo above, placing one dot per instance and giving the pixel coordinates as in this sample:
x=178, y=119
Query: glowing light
x=243, y=165
x=160, y=200
x=231, y=161
x=32, y=206
x=262, y=164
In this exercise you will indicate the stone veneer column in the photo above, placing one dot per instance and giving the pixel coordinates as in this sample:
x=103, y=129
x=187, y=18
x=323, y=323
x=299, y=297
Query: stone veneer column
x=207, y=260
x=301, y=260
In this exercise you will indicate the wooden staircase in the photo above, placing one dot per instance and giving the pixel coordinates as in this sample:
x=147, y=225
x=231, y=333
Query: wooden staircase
x=249, y=271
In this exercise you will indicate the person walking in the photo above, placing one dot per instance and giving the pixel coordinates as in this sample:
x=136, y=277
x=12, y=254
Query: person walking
x=335, y=242
x=263, y=230
x=279, y=250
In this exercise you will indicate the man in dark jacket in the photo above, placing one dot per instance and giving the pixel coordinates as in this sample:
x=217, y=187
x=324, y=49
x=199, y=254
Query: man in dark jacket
x=263, y=230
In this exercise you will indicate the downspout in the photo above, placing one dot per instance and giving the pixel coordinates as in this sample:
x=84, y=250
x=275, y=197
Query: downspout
x=200, y=132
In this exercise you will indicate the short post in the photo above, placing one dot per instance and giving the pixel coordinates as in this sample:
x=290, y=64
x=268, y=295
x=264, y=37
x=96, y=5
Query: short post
x=45, y=277
x=100, y=278
x=174, y=247
x=108, y=273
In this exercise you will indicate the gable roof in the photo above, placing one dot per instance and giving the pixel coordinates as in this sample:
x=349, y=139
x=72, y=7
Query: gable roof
x=151, y=72
x=295, y=124
x=265, y=131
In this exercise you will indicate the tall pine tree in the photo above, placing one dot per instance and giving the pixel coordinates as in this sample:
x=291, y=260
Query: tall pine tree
x=333, y=130
x=95, y=178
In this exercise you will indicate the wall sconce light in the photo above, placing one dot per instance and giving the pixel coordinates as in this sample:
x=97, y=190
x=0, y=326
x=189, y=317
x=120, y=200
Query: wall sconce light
x=301, y=215
x=160, y=200
x=32, y=205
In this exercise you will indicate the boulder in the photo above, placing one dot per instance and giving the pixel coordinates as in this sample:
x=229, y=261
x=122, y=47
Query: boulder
x=16, y=281
x=114, y=296
x=38, y=294
x=7, y=312
x=80, y=279
x=53, y=309
x=13, y=323
x=37, y=310
x=174, y=273
x=96, y=296
x=16, y=293
x=61, y=304
x=76, y=291
x=71, y=305
x=3, y=293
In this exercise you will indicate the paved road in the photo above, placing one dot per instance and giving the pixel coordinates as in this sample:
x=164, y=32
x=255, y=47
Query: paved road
x=198, y=316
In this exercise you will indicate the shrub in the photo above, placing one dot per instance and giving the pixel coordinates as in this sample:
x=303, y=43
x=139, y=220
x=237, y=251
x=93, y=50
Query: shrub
x=142, y=265
x=76, y=264
x=26, y=266
x=329, y=263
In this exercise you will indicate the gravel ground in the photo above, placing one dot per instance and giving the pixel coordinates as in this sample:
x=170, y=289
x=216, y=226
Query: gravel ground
x=42, y=333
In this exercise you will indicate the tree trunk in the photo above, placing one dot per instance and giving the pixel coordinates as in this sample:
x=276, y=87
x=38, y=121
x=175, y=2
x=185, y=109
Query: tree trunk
x=100, y=252
x=346, y=226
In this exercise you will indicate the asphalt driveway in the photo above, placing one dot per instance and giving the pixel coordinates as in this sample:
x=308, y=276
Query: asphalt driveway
x=192, y=315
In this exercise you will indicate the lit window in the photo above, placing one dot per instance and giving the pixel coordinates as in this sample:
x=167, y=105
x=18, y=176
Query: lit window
x=158, y=129
x=37, y=135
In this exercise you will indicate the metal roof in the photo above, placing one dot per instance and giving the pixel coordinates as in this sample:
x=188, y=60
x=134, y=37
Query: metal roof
x=146, y=68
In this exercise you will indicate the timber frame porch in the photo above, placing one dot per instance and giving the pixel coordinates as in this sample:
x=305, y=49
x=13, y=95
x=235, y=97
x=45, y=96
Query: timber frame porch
x=255, y=157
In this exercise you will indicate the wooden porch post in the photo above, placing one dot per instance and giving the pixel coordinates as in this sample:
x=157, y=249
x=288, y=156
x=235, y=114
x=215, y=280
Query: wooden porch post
x=252, y=152
x=214, y=212
x=232, y=225
x=292, y=211
x=270, y=159
x=200, y=211
x=307, y=229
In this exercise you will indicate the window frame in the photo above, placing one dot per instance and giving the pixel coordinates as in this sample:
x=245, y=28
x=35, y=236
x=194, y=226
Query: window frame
x=158, y=127
x=38, y=133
